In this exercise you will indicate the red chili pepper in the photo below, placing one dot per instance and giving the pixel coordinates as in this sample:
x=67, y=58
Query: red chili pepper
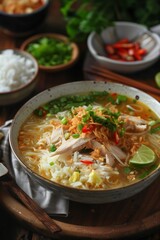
x=88, y=128
x=110, y=49
x=136, y=46
x=142, y=51
x=123, y=45
x=123, y=53
x=114, y=94
x=116, y=137
x=137, y=56
x=87, y=161
x=124, y=50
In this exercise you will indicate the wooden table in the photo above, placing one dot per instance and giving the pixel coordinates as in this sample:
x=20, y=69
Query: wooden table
x=116, y=220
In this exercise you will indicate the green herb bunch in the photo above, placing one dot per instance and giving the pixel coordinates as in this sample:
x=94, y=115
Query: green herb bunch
x=85, y=16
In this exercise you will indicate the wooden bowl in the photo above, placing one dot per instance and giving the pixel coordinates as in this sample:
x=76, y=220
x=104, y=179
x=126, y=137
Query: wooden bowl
x=60, y=67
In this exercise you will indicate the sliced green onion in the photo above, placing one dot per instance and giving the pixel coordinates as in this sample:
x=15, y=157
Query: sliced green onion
x=52, y=148
x=79, y=127
x=51, y=163
x=76, y=135
x=64, y=121
x=120, y=99
x=66, y=135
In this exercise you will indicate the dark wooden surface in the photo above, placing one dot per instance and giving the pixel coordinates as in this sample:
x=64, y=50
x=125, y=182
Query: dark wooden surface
x=140, y=210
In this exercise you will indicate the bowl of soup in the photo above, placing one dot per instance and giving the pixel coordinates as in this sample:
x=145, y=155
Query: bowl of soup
x=93, y=142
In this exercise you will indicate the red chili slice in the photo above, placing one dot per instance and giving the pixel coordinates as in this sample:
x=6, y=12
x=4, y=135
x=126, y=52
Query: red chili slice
x=123, y=45
x=88, y=162
x=116, y=137
x=124, y=50
x=142, y=51
x=88, y=128
x=137, y=56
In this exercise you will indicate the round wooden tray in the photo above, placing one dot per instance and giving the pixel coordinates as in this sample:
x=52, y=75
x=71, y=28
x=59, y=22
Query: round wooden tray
x=134, y=216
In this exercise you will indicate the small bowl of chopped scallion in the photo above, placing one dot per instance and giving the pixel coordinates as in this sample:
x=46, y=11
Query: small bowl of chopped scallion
x=53, y=52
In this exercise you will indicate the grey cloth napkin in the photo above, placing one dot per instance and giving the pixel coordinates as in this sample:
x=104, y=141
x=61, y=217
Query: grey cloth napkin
x=50, y=201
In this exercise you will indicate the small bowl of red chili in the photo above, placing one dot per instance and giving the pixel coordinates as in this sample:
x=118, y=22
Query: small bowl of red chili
x=118, y=49
x=20, y=18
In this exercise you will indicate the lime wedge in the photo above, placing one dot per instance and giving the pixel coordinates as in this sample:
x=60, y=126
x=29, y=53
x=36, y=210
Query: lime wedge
x=143, y=156
x=157, y=79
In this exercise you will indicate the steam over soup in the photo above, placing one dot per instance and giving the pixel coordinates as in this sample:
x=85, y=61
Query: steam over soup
x=96, y=140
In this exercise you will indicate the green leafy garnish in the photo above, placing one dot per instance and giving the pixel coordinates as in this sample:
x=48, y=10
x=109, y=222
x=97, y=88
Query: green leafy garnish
x=107, y=122
x=50, y=52
x=69, y=102
x=76, y=135
x=83, y=17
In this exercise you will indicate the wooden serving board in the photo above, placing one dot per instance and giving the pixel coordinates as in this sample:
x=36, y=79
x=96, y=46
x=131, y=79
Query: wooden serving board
x=131, y=217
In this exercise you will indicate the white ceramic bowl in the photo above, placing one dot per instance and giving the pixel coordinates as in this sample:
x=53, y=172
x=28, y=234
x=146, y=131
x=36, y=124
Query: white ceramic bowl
x=79, y=195
x=21, y=91
x=114, y=33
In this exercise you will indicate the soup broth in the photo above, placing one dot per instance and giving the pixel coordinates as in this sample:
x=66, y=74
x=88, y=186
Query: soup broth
x=96, y=140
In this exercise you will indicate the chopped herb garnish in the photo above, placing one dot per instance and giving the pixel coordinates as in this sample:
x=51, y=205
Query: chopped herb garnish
x=69, y=102
x=66, y=135
x=52, y=148
x=86, y=117
x=76, y=135
x=79, y=127
x=127, y=170
x=64, y=121
x=107, y=122
x=50, y=52
x=120, y=99
x=155, y=130
x=153, y=122
x=122, y=132
x=51, y=163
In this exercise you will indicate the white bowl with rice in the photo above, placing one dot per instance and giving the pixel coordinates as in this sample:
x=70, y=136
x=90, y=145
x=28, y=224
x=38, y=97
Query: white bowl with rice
x=18, y=76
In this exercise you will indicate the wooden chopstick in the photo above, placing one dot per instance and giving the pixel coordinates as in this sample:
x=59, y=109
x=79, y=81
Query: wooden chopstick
x=126, y=80
x=102, y=77
x=31, y=205
x=114, y=77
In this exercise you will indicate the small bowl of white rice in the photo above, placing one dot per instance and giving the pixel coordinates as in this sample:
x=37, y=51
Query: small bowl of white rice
x=18, y=76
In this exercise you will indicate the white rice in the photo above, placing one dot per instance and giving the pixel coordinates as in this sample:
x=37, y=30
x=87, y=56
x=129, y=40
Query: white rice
x=15, y=70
